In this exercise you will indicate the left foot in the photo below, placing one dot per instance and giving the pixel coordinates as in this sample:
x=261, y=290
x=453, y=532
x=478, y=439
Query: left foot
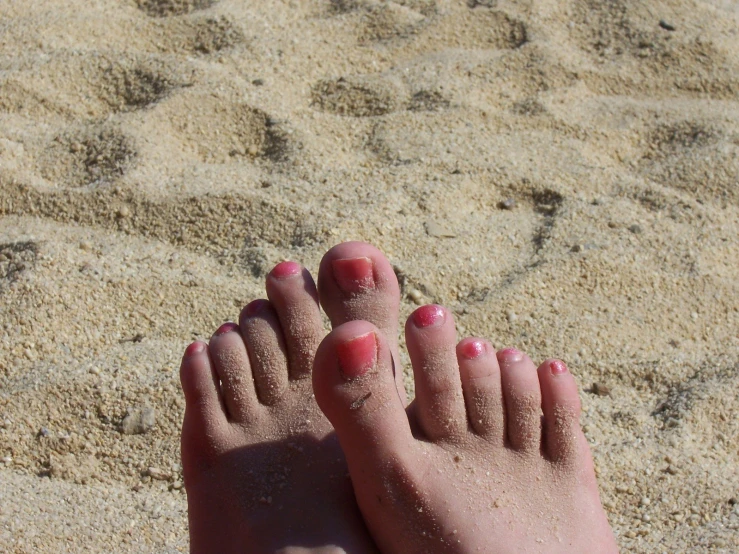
x=263, y=469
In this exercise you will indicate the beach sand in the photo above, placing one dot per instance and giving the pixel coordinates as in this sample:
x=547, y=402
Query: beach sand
x=562, y=175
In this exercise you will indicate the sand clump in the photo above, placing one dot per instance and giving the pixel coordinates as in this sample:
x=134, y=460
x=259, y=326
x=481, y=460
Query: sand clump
x=562, y=175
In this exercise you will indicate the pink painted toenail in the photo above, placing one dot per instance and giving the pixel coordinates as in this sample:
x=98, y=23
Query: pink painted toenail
x=194, y=348
x=511, y=355
x=226, y=328
x=557, y=367
x=284, y=270
x=354, y=274
x=429, y=315
x=358, y=355
x=255, y=307
x=473, y=349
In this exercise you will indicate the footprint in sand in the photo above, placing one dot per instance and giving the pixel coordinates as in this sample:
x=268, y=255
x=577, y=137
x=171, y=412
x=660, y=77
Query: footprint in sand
x=132, y=84
x=74, y=87
x=207, y=35
x=484, y=29
x=166, y=8
x=359, y=95
x=694, y=156
x=375, y=95
x=198, y=34
x=389, y=20
x=422, y=22
x=91, y=157
x=663, y=59
x=224, y=130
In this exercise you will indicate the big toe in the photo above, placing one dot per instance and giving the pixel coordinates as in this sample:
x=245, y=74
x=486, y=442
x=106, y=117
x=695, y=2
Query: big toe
x=357, y=283
x=354, y=385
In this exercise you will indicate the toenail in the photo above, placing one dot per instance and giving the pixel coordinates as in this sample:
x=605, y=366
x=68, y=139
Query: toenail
x=194, y=348
x=473, y=349
x=226, y=328
x=358, y=355
x=429, y=315
x=284, y=270
x=557, y=367
x=354, y=274
x=255, y=307
x=511, y=355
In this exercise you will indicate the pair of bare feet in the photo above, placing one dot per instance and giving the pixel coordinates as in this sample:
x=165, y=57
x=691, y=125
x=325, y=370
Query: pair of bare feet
x=489, y=457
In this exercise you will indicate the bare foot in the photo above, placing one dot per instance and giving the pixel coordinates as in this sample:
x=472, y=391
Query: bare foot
x=471, y=466
x=263, y=470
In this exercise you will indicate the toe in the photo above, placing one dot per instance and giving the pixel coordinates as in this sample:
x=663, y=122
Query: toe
x=355, y=388
x=231, y=362
x=561, y=407
x=522, y=398
x=480, y=374
x=265, y=345
x=357, y=283
x=203, y=403
x=293, y=295
x=439, y=403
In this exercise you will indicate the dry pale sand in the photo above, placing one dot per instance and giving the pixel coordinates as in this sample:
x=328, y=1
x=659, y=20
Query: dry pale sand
x=562, y=174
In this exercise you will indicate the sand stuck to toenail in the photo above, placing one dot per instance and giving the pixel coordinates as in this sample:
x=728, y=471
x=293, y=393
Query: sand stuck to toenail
x=156, y=162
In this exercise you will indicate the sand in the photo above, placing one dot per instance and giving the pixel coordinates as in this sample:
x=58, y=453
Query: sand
x=562, y=174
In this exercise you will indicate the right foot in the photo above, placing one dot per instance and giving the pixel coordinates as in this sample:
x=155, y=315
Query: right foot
x=471, y=466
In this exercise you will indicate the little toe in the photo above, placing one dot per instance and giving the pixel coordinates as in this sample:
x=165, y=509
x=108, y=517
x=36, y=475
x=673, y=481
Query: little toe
x=357, y=283
x=355, y=388
x=561, y=407
x=483, y=396
x=266, y=348
x=439, y=403
x=293, y=295
x=204, y=406
x=522, y=398
x=231, y=362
